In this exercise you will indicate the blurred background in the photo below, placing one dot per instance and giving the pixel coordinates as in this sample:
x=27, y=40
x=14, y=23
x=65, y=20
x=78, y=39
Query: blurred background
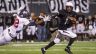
x=86, y=10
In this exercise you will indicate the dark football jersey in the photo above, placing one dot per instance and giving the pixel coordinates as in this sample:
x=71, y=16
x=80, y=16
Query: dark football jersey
x=64, y=21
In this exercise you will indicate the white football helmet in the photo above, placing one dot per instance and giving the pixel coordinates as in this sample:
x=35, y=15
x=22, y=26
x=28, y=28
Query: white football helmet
x=69, y=4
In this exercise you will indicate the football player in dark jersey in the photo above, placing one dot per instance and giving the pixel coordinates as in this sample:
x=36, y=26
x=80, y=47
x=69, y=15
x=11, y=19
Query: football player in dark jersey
x=67, y=17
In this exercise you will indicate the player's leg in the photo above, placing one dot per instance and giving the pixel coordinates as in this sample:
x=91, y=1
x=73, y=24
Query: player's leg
x=21, y=35
x=78, y=30
x=3, y=39
x=93, y=34
x=6, y=36
x=52, y=43
x=71, y=40
x=33, y=32
x=67, y=49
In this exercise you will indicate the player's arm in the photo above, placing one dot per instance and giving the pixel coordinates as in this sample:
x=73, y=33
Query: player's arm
x=73, y=18
x=26, y=23
x=29, y=22
x=26, y=26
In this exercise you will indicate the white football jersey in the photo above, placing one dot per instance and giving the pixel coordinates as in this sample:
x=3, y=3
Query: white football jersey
x=9, y=33
x=17, y=26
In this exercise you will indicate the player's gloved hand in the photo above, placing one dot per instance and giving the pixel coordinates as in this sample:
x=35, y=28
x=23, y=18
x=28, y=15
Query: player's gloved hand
x=47, y=18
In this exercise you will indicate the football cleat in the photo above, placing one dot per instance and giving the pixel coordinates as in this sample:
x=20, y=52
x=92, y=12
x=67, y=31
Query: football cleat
x=67, y=49
x=43, y=51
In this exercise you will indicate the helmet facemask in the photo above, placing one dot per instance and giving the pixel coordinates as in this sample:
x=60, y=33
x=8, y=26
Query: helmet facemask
x=69, y=8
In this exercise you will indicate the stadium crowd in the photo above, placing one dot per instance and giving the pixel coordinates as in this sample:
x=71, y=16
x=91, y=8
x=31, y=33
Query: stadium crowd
x=85, y=27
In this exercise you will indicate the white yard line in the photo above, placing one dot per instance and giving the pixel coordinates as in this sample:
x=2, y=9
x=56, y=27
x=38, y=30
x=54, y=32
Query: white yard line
x=19, y=50
x=33, y=44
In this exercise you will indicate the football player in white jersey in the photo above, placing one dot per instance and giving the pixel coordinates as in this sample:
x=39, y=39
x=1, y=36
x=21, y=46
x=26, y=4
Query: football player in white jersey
x=8, y=34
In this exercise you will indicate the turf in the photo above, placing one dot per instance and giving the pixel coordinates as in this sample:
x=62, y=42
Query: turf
x=80, y=47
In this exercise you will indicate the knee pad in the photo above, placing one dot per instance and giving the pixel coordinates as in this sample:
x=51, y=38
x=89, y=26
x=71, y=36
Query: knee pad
x=56, y=40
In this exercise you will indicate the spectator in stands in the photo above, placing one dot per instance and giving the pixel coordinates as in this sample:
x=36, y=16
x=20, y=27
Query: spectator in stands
x=89, y=24
x=41, y=31
x=80, y=26
x=94, y=26
x=31, y=30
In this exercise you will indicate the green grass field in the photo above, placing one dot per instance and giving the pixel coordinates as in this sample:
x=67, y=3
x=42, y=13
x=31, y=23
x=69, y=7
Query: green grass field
x=34, y=48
